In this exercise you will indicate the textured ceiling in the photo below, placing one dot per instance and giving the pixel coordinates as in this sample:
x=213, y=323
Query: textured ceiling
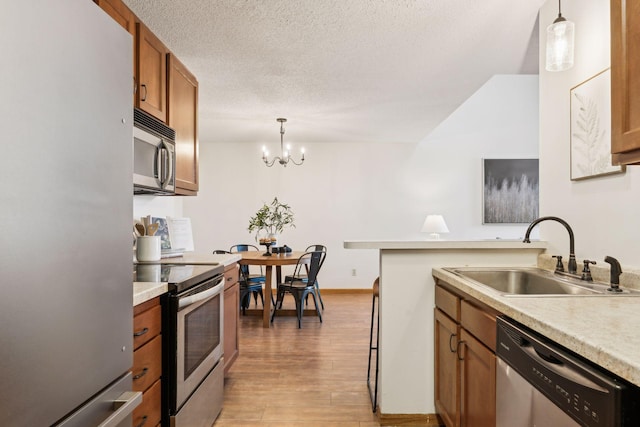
x=340, y=70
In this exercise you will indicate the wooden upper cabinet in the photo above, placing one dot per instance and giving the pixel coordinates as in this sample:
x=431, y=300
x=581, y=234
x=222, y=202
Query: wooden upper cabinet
x=183, y=117
x=151, y=69
x=625, y=81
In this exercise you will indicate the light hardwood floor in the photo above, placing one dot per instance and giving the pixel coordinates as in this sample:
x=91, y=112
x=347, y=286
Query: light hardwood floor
x=314, y=376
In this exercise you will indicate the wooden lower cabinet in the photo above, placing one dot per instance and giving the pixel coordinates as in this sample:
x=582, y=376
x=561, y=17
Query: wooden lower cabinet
x=231, y=315
x=147, y=362
x=477, y=382
x=465, y=361
x=447, y=369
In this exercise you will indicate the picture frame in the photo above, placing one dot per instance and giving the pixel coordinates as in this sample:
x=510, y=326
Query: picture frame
x=590, y=119
x=510, y=190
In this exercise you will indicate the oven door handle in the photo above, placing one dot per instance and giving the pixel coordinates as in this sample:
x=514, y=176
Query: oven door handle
x=186, y=301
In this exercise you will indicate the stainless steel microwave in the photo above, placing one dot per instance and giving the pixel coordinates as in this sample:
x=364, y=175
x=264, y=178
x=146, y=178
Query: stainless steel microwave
x=154, y=160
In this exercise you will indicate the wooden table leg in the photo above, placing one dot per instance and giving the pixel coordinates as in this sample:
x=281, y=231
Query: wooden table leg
x=266, y=312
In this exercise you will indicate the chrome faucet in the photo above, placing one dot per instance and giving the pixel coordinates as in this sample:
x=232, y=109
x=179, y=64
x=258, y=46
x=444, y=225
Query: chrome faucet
x=572, y=265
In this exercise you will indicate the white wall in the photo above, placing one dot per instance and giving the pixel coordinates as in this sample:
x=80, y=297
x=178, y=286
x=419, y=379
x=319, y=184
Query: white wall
x=369, y=191
x=603, y=212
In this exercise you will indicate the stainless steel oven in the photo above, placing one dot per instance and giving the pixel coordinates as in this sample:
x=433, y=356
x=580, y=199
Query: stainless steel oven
x=192, y=341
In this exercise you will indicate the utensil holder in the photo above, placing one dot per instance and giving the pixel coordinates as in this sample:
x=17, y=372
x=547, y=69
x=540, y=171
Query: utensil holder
x=148, y=248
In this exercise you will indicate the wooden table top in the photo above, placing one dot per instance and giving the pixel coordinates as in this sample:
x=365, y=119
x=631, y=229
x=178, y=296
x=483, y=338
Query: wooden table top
x=256, y=258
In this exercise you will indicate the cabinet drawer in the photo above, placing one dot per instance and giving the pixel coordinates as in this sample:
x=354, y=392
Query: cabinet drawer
x=146, y=325
x=147, y=364
x=231, y=276
x=148, y=413
x=448, y=303
x=480, y=324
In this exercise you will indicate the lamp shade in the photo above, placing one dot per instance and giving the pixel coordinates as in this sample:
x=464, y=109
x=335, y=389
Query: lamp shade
x=560, y=38
x=435, y=225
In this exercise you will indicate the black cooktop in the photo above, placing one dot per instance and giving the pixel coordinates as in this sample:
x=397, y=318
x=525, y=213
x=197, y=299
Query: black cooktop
x=178, y=276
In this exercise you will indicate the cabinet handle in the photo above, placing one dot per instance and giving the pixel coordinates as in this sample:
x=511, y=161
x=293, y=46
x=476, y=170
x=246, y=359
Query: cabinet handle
x=230, y=278
x=453, y=350
x=458, y=350
x=135, y=85
x=144, y=97
x=140, y=333
x=144, y=421
x=141, y=374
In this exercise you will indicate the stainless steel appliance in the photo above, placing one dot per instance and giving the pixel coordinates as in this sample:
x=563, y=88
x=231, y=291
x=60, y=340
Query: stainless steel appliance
x=154, y=162
x=541, y=384
x=192, y=330
x=65, y=217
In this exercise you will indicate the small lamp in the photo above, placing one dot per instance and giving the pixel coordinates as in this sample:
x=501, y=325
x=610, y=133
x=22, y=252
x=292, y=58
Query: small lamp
x=560, y=44
x=435, y=225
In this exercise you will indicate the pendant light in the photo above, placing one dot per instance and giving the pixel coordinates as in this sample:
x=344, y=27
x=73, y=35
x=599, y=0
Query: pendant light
x=560, y=44
x=285, y=155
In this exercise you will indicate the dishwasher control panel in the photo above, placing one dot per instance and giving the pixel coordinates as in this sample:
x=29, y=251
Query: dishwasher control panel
x=585, y=392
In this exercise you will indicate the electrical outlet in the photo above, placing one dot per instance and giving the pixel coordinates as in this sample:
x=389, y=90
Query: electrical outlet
x=353, y=272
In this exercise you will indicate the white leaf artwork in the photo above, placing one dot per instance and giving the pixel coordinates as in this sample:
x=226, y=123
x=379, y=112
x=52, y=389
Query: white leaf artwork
x=591, y=128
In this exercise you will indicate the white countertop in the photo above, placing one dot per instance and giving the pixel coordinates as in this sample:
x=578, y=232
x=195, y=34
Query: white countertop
x=444, y=244
x=603, y=329
x=144, y=291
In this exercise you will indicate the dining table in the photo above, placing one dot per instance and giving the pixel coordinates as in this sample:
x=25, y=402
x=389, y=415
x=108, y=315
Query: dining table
x=276, y=260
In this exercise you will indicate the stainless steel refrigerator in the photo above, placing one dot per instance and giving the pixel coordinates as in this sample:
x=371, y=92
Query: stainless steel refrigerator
x=65, y=215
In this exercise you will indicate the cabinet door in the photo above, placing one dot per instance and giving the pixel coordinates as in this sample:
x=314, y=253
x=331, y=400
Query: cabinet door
x=183, y=117
x=625, y=81
x=231, y=316
x=151, y=66
x=478, y=383
x=447, y=369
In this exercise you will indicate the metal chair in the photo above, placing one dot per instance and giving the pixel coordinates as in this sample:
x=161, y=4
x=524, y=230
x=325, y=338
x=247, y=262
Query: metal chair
x=299, y=289
x=374, y=394
x=250, y=284
x=304, y=277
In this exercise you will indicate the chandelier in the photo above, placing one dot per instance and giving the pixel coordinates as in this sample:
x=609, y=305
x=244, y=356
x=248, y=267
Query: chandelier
x=285, y=155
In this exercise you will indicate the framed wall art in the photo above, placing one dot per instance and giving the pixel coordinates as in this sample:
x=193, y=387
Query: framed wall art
x=510, y=194
x=591, y=128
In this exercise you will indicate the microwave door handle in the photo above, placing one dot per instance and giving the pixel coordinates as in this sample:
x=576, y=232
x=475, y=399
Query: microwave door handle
x=157, y=172
x=163, y=166
x=168, y=166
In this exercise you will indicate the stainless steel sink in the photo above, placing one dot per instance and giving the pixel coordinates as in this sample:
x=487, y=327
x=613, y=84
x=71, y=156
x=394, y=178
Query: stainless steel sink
x=533, y=282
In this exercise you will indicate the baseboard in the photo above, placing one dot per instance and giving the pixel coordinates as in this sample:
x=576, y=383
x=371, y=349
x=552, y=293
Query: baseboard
x=325, y=291
x=424, y=420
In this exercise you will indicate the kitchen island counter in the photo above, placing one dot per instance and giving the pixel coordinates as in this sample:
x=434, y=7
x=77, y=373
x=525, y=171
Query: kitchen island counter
x=602, y=329
x=406, y=351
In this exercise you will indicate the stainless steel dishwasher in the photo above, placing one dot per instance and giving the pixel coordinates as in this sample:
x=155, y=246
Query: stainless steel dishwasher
x=541, y=384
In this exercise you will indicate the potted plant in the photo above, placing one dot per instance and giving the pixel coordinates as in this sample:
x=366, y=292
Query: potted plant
x=272, y=219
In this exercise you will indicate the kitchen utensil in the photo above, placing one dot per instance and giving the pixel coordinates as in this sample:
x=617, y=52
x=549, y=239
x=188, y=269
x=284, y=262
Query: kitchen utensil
x=140, y=231
x=151, y=229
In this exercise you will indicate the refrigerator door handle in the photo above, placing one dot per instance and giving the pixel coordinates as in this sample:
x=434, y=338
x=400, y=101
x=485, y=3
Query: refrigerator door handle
x=123, y=407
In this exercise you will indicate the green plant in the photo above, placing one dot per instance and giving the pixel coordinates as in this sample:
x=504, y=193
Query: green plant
x=272, y=218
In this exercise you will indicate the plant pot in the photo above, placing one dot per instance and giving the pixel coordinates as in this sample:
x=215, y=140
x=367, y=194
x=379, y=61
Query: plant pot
x=274, y=239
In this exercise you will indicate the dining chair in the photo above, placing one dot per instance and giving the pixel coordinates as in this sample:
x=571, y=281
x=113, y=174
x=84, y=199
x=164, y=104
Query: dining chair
x=299, y=289
x=249, y=283
x=304, y=276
